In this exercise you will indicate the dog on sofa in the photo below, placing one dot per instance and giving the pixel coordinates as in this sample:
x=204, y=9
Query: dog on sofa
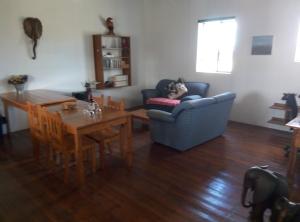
x=176, y=89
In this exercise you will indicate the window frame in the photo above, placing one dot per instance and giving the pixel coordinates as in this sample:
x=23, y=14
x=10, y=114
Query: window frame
x=297, y=50
x=220, y=19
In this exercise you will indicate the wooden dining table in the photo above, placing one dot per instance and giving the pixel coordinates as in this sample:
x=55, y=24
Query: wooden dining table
x=79, y=123
x=41, y=97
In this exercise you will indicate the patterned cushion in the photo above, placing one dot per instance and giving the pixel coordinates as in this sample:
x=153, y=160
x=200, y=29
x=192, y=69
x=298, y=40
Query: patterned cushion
x=178, y=90
x=163, y=101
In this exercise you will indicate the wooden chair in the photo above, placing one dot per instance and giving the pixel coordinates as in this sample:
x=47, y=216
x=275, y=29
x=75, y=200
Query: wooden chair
x=116, y=105
x=99, y=100
x=111, y=134
x=105, y=137
x=38, y=132
x=64, y=143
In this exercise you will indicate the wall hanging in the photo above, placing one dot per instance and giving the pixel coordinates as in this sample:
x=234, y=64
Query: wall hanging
x=262, y=45
x=33, y=29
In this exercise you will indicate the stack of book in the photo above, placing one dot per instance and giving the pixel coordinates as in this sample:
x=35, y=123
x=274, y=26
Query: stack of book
x=119, y=80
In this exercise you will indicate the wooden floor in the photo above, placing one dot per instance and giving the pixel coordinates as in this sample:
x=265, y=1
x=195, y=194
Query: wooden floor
x=203, y=184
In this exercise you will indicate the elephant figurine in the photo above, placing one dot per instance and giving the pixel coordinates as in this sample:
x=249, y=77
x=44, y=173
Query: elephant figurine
x=267, y=186
x=285, y=211
x=33, y=29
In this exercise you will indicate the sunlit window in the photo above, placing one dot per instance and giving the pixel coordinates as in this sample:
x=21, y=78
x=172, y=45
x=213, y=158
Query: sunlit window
x=216, y=42
x=297, y=56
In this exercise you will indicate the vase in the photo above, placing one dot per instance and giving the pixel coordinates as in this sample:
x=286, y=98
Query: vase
x=19, y=88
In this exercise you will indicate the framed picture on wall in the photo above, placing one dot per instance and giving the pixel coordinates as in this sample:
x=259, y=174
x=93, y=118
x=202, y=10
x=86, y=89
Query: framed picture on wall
x=262, y=45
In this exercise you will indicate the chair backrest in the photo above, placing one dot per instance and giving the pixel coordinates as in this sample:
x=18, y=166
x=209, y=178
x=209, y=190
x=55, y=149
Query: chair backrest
x=55, y=127
x=116, y=105
x=99, y=100
x=35, y=123
x=42, y=115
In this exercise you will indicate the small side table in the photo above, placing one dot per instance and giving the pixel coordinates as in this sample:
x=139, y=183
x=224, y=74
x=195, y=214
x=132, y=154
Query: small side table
x=141, y=115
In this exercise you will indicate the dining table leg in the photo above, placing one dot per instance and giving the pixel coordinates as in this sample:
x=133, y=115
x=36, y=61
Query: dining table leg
x=126, y=140
x=293, y=154
x=129, y=152
x=123, y=141
x=79, y=159
x=36, y=148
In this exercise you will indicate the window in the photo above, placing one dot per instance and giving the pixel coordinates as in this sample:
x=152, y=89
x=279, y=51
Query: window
x=216, y=41
x=297, y=56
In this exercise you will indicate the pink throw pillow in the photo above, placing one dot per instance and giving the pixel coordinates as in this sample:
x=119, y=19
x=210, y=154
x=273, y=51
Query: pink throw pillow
x=163, y=101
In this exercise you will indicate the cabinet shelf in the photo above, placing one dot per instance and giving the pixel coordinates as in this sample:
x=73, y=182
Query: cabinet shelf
x=111, y=48
x=277, y=121
x=280, y=106
x=114, y=68
x=123, y=48
x=111, y=68
x=116, y=57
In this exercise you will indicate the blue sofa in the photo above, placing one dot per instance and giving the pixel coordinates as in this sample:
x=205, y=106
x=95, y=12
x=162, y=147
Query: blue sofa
x=192, y=122
x=196, y=90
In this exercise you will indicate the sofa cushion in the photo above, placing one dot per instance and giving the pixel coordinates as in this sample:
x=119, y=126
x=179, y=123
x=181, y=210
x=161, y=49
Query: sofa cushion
x=159, y=107
x=163, y=101
x=197, y=88
x=162, y=87
x=180, y=90
x=190, y=104
x=192, y=97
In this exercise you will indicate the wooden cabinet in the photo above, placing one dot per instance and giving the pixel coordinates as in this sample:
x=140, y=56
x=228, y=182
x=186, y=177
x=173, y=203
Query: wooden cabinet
x=112, y=61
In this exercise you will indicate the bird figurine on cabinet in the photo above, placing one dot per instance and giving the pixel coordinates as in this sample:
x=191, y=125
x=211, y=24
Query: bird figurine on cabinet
x=110, y=26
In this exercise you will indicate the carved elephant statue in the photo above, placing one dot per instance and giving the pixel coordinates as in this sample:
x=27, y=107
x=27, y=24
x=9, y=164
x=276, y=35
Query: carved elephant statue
x=33, y=29
x=285, y=211
x=267, y=186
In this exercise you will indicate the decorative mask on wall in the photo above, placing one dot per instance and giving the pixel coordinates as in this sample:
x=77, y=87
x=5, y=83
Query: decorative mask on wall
x=33, y=29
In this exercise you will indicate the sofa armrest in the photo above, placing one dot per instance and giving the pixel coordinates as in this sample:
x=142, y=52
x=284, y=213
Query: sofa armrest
x=149, y=93
x=160, y=116
x=190, y=97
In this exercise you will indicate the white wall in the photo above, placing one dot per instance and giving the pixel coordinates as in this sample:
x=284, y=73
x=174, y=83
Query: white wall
x=64, y=53
x=171, y=39
x=164, y=34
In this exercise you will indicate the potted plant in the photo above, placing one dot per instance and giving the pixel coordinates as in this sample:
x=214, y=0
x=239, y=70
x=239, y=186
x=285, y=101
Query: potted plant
x=18, y=81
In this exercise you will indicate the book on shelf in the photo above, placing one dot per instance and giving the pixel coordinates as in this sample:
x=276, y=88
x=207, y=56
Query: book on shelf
x=112, y=63
x=119, y=78
x=120, y=83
